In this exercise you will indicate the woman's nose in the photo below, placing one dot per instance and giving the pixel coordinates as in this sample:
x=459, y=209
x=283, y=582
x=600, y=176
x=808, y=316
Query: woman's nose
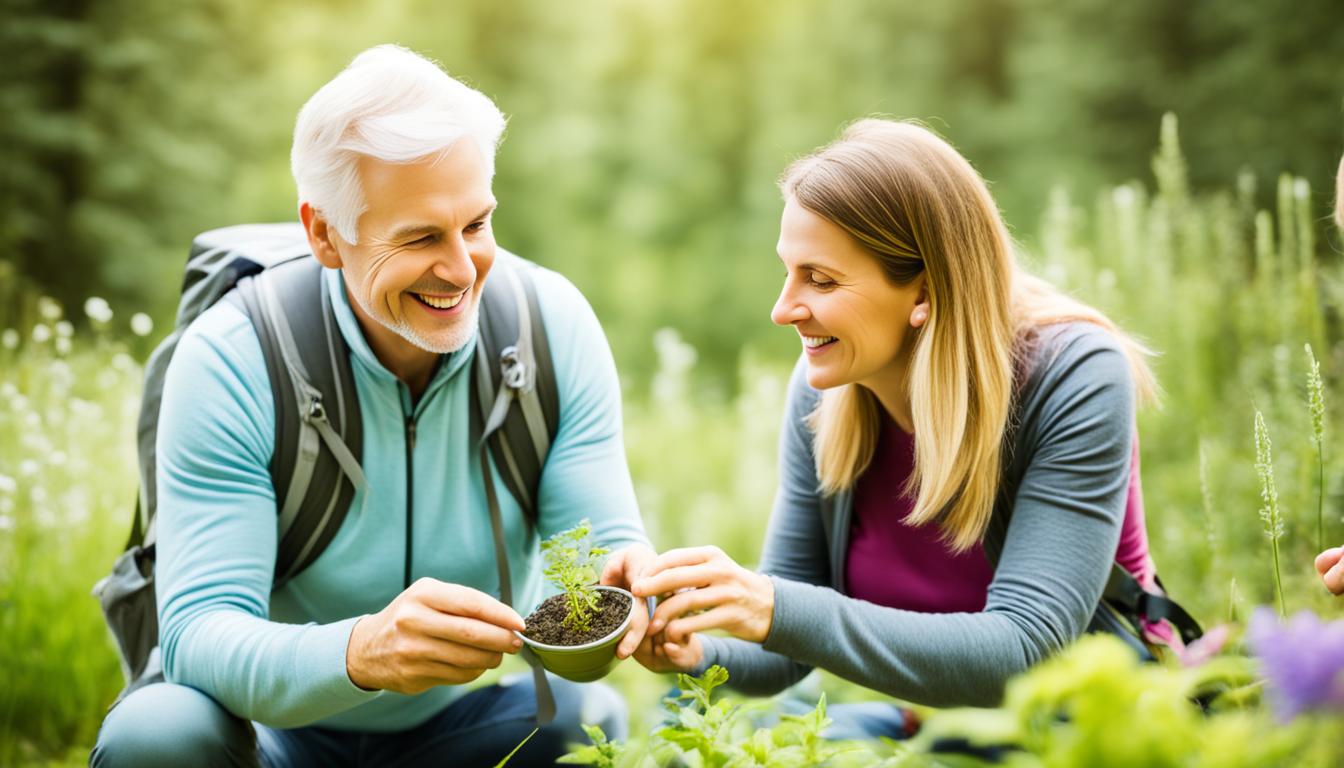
x=788, y=310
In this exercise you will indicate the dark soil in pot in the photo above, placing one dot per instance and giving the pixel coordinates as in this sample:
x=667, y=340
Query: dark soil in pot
x=546, y=624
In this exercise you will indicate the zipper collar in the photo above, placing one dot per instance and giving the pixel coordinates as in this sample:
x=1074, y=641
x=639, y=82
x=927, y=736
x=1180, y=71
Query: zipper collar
x=363, y=354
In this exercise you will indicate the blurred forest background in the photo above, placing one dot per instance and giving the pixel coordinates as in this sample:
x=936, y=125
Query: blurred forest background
x=644, y=142
x=645, y=137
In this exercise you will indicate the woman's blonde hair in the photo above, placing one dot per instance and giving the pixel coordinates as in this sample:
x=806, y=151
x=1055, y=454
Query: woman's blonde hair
x=919, y=207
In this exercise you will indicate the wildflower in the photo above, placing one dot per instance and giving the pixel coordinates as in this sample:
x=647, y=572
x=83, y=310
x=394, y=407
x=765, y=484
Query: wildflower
x=28, y=467
x=49, y=309
x=64, y=329
x=98, y=310
x=1316, y=404
x=141, y=324
x=1269, y=495
x=9, y=339
x=41, y=333
x=1303, y=661
x=8, y=484
x=63, y=345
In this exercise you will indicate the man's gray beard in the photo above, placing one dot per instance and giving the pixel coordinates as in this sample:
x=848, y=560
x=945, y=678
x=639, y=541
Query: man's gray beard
x=451, y=340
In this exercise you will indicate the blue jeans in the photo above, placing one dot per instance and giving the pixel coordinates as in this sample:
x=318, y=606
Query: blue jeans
x=175, y=725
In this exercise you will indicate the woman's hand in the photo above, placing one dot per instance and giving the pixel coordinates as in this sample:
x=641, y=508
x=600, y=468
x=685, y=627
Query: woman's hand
x=717, y=592
x=1330, y=565
x=658, y=655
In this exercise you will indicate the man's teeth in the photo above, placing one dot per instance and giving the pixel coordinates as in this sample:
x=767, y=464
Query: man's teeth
x=817, y=341
x=439, y=302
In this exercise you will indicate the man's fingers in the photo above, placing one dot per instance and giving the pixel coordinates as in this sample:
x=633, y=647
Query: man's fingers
x=443, y=673
x=684, y=602
x=464, y=631
x=436, y=651
x=639, y=621
x=613, y=572
x=458, y=600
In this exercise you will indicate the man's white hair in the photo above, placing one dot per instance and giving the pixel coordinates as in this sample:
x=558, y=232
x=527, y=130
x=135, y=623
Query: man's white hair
x=390, y=104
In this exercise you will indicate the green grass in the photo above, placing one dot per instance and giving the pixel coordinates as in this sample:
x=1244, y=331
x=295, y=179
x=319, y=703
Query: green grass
x=1228, y=294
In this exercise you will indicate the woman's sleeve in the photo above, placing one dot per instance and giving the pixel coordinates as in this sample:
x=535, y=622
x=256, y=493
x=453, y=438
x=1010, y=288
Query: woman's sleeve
x=795, y=549
x=1077, y=427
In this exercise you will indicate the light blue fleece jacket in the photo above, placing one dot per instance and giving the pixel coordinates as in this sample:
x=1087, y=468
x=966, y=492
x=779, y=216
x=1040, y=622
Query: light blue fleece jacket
x=279, y=658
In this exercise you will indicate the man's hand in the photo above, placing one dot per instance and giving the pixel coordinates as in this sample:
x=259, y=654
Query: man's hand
x=1330, y=564
x=432, y=634
x=622, y=570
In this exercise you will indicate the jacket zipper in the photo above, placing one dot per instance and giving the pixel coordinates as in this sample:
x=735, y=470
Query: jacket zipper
x=410, y=495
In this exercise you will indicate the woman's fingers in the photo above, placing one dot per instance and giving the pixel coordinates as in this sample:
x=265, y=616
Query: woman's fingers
x=678, y=631
x=680, y=577
x=685, y=602
x=674, y=558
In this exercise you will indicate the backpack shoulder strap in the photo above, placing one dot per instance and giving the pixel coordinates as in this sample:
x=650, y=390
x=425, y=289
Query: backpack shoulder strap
x=513, y=380
x=316, y=407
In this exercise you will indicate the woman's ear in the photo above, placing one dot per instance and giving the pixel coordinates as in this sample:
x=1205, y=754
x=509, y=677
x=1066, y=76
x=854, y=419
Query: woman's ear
x=320, y=237
x=919, y=315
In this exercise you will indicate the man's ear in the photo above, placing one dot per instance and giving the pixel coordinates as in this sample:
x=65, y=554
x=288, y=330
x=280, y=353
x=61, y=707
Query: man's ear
x=320, y=237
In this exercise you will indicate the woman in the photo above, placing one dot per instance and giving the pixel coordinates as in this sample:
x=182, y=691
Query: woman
x=958, y=469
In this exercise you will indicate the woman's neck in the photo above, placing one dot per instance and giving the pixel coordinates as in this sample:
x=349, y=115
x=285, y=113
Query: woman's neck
x=894, y=396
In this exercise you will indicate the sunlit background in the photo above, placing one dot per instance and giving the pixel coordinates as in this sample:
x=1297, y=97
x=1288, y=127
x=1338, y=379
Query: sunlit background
x=644, y=140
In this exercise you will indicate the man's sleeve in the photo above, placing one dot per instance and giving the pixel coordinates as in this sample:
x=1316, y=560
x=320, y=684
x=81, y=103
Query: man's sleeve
x=586, y=474
x=217, y=536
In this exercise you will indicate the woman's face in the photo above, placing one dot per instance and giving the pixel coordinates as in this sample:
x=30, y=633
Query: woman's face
x=853, y=322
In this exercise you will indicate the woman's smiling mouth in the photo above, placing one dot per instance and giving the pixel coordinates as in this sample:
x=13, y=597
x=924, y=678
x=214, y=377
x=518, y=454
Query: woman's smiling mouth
x=816, y=345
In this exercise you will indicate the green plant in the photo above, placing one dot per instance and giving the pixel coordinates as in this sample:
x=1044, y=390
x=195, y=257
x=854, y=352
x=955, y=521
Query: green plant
x=571, y=564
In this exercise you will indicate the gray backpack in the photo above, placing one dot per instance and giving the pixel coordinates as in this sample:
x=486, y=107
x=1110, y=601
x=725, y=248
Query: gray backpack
x=266, y=269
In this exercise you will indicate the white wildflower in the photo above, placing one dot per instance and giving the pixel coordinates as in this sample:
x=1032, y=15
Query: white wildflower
x=98, y=310
x=8, y=484
x=28, y=468
x=49, y=309
x=63, y=345
x=41, y=333
x=9, y=339
x=141, y=324
x=64, y=329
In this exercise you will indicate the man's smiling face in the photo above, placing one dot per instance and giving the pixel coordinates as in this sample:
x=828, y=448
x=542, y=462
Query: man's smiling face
x=425, y=248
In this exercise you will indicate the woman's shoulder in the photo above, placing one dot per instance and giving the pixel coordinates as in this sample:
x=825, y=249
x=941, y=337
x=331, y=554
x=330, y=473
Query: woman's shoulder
x=1071, y=362
x=1050, y=351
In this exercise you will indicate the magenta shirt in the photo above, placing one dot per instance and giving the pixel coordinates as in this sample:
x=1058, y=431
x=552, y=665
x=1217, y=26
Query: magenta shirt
x=909, y=567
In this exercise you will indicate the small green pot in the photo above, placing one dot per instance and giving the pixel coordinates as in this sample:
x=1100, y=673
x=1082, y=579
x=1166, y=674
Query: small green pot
x=589, y=661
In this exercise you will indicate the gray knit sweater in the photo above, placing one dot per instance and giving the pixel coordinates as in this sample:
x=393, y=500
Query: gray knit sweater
x=1053, y=535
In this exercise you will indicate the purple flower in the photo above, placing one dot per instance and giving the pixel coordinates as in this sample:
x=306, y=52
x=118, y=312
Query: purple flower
x=1303, y=661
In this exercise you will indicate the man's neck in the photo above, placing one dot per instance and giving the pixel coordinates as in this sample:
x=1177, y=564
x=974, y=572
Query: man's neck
x=412, y=365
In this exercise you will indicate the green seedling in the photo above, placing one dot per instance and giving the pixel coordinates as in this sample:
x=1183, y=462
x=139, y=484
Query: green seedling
x=571, y=564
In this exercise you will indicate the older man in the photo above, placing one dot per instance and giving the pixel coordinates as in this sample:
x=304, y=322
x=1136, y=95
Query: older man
x=361, y=658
